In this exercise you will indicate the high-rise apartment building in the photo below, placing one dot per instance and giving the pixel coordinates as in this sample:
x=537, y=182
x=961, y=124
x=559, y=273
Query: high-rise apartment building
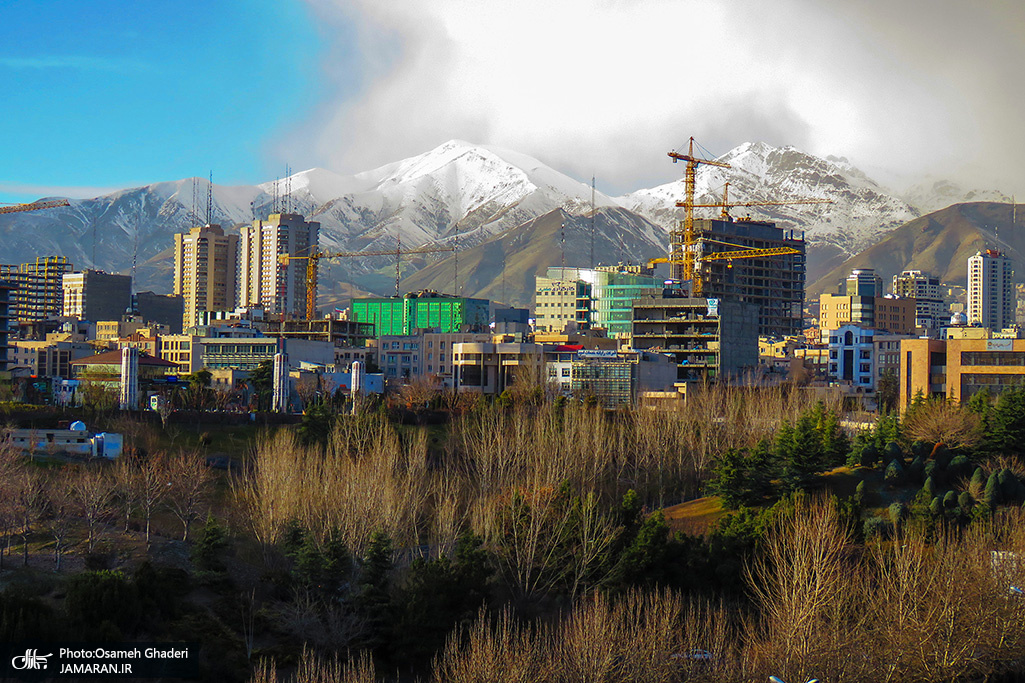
x=205, y=271
x=991, y=296
x=38, y=293
x=263, y=279
x=925, y=290
x=95, y=295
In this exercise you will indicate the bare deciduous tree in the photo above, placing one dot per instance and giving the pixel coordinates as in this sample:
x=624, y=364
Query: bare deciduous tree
x=59, y=513
x=93, y=492
x=189, y=482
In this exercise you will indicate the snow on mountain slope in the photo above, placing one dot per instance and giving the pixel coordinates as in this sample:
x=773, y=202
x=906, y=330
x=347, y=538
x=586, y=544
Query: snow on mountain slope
x=460, y=192
x=935, y=194
x=456, y=188
x=860, y=213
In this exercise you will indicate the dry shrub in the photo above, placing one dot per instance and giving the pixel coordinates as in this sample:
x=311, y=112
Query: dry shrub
x=946, y=422
x=649, y=638
x=366, y=480
x=314, y=669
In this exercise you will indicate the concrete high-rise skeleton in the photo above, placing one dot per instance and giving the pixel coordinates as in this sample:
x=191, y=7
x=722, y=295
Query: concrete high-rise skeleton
x=991, y=296
x=205, y=271
x=263, y=279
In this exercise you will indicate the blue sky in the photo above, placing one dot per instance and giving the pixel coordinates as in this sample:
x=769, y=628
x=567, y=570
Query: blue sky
x=117, y=93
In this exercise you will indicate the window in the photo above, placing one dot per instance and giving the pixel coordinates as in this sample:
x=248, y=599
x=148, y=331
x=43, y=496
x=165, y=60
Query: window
x=565, y=372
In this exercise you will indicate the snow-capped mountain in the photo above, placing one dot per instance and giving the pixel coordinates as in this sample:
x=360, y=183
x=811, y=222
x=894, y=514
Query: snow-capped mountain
x=461, y=189
x=458, y=192
x=860, y=213
x=933, y=195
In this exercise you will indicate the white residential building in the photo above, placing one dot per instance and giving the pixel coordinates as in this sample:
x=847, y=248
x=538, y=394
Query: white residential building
x=991, y=295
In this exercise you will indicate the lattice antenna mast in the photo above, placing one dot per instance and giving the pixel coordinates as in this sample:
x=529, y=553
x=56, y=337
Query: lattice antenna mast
x=562, y=243
x=592, y=222
x=210, y=200
x=288, y=208
x=455, y=284
x=135, y=249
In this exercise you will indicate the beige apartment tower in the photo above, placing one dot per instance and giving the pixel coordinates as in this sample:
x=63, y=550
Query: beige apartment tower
x=205, y=271
x=263, y=279
x=991, y=296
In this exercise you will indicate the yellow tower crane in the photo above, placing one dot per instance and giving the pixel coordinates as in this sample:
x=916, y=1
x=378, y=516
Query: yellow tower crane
x=681, y=243
x=34, y=206
x=726, y=204
x=684, y=256
x=313, y=262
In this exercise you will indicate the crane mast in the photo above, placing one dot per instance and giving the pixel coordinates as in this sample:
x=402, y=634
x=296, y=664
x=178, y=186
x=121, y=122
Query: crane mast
x=684, y=259
x=313, y=262
x=681, y=242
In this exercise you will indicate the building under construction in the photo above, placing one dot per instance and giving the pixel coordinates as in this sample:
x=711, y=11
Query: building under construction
x=774, y=283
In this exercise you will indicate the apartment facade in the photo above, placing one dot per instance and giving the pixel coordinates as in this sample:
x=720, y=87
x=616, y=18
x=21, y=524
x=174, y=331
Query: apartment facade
x=991, y=294
x=205, y=270
x=96, y=295
x=264, y=280
x=925, y=290
x=39, y=287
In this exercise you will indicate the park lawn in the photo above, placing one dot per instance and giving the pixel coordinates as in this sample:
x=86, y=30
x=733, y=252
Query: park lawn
x=695, y=517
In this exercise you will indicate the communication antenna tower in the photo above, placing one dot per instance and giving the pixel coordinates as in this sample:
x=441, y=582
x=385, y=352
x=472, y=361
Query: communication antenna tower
x=592, y=222
x=455, y=243
x=135, y=248
x=195, y=198
x=288, y=208
x=210, y=199
x=562, y=243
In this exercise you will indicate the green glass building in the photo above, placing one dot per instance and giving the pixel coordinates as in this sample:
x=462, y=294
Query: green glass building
x=613, y=289
x=422, y=311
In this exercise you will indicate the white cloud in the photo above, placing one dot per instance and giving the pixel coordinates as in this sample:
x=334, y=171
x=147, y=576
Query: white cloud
x=608, y=86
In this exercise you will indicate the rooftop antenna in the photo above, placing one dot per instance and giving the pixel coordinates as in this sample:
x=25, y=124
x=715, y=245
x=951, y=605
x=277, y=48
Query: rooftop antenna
x=135, y=247
x=503, y=272
x=455, y=243
x=210, y=200
x=288, y=208
x=195, y=198
x=592, y=222
x=274, y=203
x=562, y=244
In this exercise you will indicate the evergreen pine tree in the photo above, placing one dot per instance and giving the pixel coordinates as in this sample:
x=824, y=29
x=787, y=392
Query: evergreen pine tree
x=374, y=597
x=992, y=495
